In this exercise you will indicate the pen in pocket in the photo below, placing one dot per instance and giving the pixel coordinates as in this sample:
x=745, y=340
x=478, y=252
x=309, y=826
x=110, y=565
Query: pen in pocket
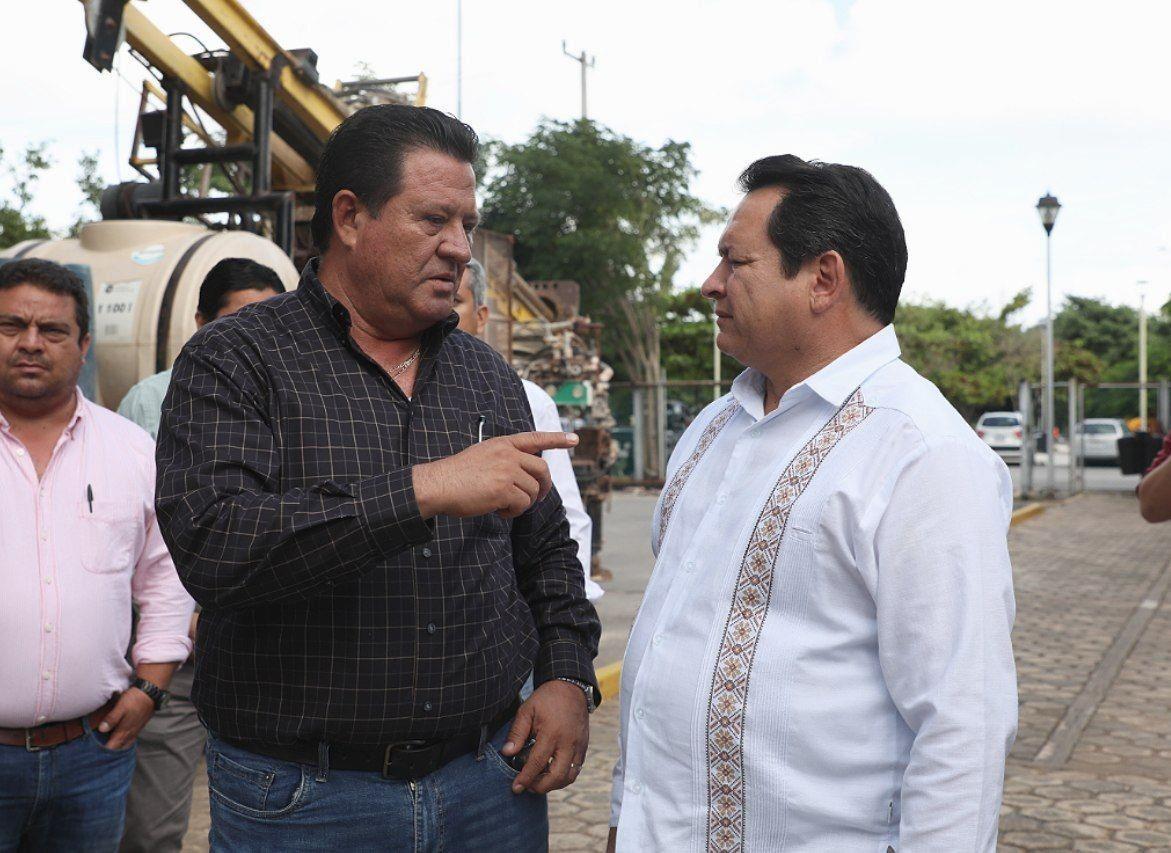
x=480, y=430
x=89, y=496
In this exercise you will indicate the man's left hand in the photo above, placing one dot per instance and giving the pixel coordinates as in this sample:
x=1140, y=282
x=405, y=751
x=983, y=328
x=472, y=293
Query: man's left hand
x=127, y=718
x=557, y=716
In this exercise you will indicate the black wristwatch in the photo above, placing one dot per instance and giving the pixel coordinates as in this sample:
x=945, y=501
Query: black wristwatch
x=157, y=695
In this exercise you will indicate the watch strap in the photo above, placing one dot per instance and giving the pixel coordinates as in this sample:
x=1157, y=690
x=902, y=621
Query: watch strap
x=588, y=689
x=157, y=694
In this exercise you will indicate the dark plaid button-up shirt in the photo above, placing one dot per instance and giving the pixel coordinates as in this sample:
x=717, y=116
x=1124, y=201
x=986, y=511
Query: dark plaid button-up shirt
x=331, y=610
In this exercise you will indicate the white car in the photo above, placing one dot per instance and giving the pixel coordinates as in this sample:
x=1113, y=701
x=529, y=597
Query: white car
x=1003, y=432
x=1100, y=436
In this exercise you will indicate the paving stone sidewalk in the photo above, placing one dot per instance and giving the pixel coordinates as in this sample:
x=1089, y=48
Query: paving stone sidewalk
x=1091, y=768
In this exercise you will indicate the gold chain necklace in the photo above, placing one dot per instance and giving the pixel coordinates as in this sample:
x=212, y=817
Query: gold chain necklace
x=410, y=360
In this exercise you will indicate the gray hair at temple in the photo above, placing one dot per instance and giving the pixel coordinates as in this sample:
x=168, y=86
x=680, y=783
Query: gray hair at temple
x=478, y=283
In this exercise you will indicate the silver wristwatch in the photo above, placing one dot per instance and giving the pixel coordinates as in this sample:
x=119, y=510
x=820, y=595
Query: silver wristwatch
x=586, y=688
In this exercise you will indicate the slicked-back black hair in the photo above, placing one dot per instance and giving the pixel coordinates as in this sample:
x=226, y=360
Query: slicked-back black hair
x=831, y=207
x=364, y=154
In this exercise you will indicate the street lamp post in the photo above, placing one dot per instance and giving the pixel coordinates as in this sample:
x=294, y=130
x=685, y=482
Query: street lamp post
x=1048, y=207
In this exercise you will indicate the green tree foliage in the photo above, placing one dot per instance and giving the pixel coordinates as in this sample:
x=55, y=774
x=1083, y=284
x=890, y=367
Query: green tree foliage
x=687, y=331
x=17, y=222
x=589, y=204
x=976, y=358
x=90, y=183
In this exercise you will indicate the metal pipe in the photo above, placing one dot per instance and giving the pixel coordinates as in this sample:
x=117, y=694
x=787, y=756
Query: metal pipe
x=1142, y=361
x=172, y=139
x=261, y=136
x=216, y=204
x=1075, y=452
x=216, y=154
x=1028, y=444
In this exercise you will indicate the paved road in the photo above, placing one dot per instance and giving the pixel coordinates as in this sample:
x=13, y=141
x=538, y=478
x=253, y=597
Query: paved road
x=1091, y=768
x=1099, y=477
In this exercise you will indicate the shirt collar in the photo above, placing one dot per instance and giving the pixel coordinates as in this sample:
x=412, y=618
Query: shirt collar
x=338, y=316
x=80, y=412
x=834, y=383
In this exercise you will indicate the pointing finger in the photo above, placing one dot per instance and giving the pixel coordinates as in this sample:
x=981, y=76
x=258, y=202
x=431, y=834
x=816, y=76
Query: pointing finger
x=535, y=442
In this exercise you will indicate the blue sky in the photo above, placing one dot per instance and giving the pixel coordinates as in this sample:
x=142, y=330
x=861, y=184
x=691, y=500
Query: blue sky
x=966, y=112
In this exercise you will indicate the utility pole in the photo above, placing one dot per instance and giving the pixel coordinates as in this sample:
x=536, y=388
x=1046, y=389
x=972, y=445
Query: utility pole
x=587, y=62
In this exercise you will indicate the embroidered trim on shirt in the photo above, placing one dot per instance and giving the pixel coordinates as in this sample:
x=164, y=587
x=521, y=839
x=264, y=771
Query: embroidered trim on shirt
x=675, y=487
x=750, y=600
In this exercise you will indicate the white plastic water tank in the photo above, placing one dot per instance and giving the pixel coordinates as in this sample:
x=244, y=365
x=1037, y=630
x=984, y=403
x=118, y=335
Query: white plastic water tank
x=146, y=276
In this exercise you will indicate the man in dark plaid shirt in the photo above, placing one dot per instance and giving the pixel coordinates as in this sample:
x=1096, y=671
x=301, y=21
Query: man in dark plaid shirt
x=351, y=489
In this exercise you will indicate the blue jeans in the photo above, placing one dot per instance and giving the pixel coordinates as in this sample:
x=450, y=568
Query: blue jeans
x=71, y=797
x=262, y=804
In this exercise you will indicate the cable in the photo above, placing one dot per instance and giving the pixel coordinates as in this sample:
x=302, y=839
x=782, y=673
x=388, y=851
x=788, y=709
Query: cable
x=193, y=37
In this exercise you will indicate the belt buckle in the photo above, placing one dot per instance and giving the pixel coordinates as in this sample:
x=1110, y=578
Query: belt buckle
x=28, y=742
x=406, y=746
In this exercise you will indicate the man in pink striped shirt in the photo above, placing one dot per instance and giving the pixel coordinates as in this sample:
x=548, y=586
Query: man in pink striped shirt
x=78, y=543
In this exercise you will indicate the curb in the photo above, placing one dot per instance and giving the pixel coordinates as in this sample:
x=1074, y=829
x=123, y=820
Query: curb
x=1026, y=512
x=609, y=677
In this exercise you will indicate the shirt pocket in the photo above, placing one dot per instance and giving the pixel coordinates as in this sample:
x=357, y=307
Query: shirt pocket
x=110, y=535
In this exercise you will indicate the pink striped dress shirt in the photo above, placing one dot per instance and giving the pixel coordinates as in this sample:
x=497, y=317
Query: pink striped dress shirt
x=68, y=573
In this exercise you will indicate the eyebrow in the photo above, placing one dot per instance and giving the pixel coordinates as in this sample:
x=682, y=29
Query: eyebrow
x=44, y=324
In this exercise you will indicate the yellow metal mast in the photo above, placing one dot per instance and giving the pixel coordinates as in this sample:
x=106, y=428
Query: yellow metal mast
x=311, y=102
x=293, y=172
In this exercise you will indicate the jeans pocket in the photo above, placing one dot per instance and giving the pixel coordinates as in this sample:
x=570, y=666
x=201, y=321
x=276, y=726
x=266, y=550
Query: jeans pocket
x=254, y=785
x=498, y=761
x=102, y=740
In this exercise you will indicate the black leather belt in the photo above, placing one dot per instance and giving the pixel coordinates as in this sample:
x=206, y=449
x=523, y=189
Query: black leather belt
x=405, y=760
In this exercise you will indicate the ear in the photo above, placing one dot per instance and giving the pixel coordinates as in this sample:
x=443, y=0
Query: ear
x=347, y=211
x=830, y=285
x=84, y=346
x=200, y=320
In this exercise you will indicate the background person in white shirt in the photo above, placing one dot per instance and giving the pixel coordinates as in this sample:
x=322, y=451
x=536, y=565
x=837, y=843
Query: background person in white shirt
x=822, y=658
x=471, y=304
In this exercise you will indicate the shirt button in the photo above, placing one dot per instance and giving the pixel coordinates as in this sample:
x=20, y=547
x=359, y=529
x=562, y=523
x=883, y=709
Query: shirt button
x=658, y=640
x=49, y=581
x=20, y=451
x=636, y=787
x=41, y=718
x=640, y=713
x=431, y=629
x=48, y=627
x=721, y=500
x=426, y=706
x=44, y=536
x=46, y=675
x=426, y=552
x=689, y=565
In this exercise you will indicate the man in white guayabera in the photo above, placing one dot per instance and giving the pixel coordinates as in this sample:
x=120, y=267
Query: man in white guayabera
x=822, y=660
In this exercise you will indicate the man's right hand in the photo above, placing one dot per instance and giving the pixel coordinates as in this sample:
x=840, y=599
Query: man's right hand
x=504, y=475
